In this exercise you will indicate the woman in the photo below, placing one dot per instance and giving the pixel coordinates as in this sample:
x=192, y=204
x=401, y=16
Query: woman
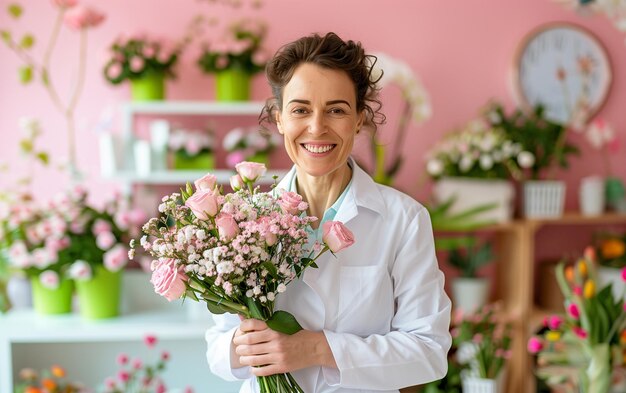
x=375, y=317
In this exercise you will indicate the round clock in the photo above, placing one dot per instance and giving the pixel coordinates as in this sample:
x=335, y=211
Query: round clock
x=564, y=68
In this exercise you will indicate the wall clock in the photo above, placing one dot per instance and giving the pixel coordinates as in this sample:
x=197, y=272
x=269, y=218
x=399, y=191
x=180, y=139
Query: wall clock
x=565, y=68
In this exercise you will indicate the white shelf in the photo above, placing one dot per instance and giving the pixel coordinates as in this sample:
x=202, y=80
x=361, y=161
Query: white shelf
x=195, y=108
x=182, y=177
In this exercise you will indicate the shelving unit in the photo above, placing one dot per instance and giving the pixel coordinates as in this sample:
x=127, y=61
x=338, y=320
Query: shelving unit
x=515, y=246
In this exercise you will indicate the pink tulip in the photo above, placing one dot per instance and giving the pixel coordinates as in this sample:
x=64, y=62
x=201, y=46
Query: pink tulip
x=555, y=322
x=573, y=311
x=578, y=291
x=250, y=171
x=206, y=182
x=624, y=274
x=82, y=17
x=226, y=226
x=203, y=204
x=580, y=332
x=168, y=279
x=336, y=236
x=534, y=345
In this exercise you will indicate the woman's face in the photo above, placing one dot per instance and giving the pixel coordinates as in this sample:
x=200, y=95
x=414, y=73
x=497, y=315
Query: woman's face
x=319, y=119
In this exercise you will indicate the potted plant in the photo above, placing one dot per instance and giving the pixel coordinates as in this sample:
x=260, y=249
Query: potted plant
x=234, y=58
x=192, y=149
x=474, y=163
x=469, y=291
x=143, y=61
x=249, y=144
x=547, y=142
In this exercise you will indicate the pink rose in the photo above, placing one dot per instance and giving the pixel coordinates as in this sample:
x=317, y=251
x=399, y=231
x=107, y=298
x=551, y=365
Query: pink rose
x=534, y=345
x=236, y=182
x=203, y=203
x=206, y=182
x=226, y=226
x=65, y=3
x=81, y=17
x=50, y=279
x=336, y=236
x=105, y=240
x=116, y=258
x=250, y=171
x=289, y=202
x=168, y=280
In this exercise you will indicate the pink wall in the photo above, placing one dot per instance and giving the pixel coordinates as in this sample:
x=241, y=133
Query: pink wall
x=462, y=51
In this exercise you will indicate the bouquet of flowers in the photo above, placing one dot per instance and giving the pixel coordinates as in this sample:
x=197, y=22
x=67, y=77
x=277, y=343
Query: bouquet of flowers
x=240, y=48
x=249, y=144
x=66, y=236
x=483, y=342
x=592, y=335
x=478, y=150
x=136, y=56
x=237, y=252
x=52, y=380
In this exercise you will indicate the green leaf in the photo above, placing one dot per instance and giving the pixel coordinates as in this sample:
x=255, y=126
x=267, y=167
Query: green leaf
x=255, y=311
x=284, y=322
x=15, y=10
x=214, y=308
x=26, y=74
x=27, y=41
x=43, y=157
x=190, y=293
x=269, y=266
x=6, y=36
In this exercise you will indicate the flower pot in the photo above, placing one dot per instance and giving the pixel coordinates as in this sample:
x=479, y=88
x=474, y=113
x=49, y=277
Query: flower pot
x=591, y=196
x=150, y=87
x=468, y=294
x=232, y=85
x=52, y=301
x=99, y=297
x=202, y=161
x=19, y=292
x=612, y=275
x=614, y=192
x=481, y=385
x=543, y=198
x=471, y=193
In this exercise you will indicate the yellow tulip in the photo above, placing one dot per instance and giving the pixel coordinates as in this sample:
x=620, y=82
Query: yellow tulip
x=590, y=289
x=553, y=336
x=57, y=371
x=582, y=268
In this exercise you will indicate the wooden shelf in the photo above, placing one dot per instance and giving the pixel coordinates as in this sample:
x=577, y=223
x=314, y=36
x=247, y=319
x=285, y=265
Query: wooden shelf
x=182, y=177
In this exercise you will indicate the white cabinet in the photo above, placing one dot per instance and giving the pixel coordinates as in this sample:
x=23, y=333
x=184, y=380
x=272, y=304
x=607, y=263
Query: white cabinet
x=118, y=155
x=88, y=349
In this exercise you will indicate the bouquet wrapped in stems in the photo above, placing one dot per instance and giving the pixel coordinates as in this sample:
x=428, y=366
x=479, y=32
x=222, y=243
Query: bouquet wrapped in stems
x=238, y=251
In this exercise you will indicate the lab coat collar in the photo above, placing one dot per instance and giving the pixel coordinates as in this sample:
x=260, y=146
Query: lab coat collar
x=363, y=192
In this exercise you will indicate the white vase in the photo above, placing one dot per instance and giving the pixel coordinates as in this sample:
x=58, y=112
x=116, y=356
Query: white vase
x=591, y=196
x=469, y=294
x=612, y=275
x=544, y=198
x=481, y=385
x=470, y=193
x=20, y=293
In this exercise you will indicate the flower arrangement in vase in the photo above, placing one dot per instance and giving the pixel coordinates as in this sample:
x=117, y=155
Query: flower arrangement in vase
x=192, y=149
x=238, y=251
x=592, y=334
x=249, y=144
x=235, y=57
x=145, y=62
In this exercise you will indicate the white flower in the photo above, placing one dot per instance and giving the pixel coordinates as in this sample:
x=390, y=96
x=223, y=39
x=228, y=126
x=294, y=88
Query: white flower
x=281, y=288
x=599, y=133
x=256, y=290
x=486, y=162
x=434, y=167
x=201, y=234
x=271, y=296
x=526, y=159
x=466, y=163
x=249, y=293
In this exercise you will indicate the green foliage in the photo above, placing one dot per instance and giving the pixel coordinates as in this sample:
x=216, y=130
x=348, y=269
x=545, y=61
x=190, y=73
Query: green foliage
x=284, y=322
x=470, y=258
x=27, y=41
x=26, y=74
x=15, y=10
x=6, y=36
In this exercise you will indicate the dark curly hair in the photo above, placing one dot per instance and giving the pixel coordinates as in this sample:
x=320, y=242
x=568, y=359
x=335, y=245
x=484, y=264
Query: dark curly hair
x=329, y=51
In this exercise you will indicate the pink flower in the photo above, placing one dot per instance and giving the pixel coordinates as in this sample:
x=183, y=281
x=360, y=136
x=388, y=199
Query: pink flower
x=100, y=226
x=50, y=279
x=116, y=258
x=150, y=340
x=590, y=253
x=82, y=17
x=234, y=158
x=289, y=202
x=250, y=171
x=534, y=345
x=236, y=182
x=555, y=322
x=226, y=226
x=580, y=332
x=161, y=388
x=168, y=279
x=165, y=355
x=136, y=64
x=80, y=270
x=65, y=3
x=105, y=240
x=114, y=70
x=123, y=376
x=206, y=182
x=573, y=311
x=122, y=359
x=578, y=291
x=137, y=364
x=624, y=274
x=203, y=203
x=336, y=236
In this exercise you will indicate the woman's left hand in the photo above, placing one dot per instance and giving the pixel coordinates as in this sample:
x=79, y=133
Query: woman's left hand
x=270, y=352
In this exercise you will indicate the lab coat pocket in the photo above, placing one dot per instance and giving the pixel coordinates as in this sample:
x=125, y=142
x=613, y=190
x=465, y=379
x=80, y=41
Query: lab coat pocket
x=365, y=300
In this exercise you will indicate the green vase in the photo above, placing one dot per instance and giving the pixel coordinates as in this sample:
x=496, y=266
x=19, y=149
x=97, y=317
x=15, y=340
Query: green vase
x=150, y=87
x=614, y=191
x=597, y=376
x=52, y=301
x=99, y=297
x=232, y=85
x=203, y=161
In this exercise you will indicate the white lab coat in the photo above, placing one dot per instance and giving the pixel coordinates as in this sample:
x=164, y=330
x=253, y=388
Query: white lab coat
x=380, y=302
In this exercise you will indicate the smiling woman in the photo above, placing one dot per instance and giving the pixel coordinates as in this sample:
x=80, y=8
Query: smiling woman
x=375, y=317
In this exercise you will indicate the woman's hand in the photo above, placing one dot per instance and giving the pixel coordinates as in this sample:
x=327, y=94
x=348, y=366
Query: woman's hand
x=270, y=352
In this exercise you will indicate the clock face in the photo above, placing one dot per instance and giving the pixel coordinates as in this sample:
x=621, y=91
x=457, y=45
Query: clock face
x=565, y=69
